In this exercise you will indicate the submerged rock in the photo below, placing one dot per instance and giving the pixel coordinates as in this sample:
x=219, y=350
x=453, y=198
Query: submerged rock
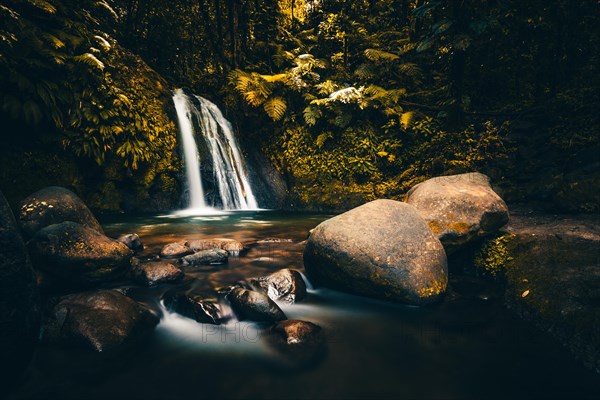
x=98, y=320
x=19, y=302
x=285, y=285
x=132, y=241
x=233, y=247
x=77, y=253
x=298, y=342
x=382, y=249
x=174, y=250
x=202, y=310
x=254, y=306
x=203, y=257
x=459, y=208
x=154, y=273
x=53, y=205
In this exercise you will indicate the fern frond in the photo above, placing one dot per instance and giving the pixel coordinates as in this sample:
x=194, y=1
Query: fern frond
x=43, y=5
x=322, y=138
x=275, y=108
x=90, y=59
x=406, y=119
x=380, y=55
x=311, y=115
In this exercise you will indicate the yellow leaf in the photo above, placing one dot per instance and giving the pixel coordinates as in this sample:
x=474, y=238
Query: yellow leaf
x=525, y=293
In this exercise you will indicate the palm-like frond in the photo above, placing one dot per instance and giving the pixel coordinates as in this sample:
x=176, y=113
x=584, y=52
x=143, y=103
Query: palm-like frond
x=275, y=108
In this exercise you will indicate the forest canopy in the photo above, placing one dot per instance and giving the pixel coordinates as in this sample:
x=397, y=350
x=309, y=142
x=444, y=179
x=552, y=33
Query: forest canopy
x=351, y=100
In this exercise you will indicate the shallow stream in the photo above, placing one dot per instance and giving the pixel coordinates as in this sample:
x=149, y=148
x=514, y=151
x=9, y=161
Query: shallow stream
x=467, y=346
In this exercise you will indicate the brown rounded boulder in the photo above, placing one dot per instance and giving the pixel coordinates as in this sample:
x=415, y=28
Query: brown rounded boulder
x=459, y=208
x=382, y=249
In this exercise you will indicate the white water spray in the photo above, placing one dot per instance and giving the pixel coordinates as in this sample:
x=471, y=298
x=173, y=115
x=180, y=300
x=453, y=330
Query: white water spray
x=229, y=169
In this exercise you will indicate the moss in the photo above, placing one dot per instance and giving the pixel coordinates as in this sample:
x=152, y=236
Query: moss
x=435, y=227
x=437, y=287
x=495, y=255
x=460, y=227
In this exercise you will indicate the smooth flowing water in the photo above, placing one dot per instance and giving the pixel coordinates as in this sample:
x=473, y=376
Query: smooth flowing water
x=467, y=346
x=190, y=150
x=229, y=171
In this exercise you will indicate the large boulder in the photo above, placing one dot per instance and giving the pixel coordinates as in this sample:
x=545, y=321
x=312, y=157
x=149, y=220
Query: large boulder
x=382, y=249
x=97, y=320
x=19, y=308
x=254, y=306
x=78, y=254
x=552, y=271
x=53, y=205
x=459, y=208
x=284, y=285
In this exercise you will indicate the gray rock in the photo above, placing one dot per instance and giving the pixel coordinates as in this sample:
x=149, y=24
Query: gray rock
x=174, y=250
x=98, y=320
x=382, y=249
x=53, y=205
x=233, y=247
x=284, y=285
x=201, y=309
x=154, y=273
x=78, y=254
x=254, y=306
x=131, y=240
x=459, y=208
x=203, y=257
x=19, y=302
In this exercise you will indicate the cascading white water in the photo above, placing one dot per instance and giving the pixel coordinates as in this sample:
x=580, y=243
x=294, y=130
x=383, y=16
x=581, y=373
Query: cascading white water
x=190, y=150
x=229, y=169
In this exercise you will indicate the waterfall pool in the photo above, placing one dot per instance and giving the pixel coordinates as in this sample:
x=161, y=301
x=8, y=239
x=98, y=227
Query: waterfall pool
x=467, y=346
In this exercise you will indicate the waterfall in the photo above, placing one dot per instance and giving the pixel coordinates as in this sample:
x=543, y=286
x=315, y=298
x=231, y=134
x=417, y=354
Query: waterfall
x=190, y=151
x=229, y=173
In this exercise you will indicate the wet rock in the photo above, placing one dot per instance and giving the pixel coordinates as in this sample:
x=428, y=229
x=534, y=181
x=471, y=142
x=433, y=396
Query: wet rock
x=254, y=306
x=382, y=249
x=555, y=283
x=201, y=309
x=77, y=253
x=174, y=250
x=203, y=257
x=284, y=285
x=299, y=342
x=154, y=273
x=459, y=208
x=19, y=302
x=233, y=247
x=132, y=241
x=98, y=320
x=53, y=205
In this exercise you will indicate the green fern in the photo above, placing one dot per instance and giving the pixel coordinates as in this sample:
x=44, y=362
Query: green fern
x=275, y=108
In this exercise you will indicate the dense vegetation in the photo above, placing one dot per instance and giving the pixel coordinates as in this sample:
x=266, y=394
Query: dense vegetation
x=351, y=100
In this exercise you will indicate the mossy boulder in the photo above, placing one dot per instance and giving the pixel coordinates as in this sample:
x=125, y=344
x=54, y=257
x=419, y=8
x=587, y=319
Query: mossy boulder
x=459, y=208
x=382, y=249
x=552, y=271
x=53, y=205
x=78, y=254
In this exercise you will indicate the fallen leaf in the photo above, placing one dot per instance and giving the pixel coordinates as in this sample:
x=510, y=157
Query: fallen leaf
x=525, y=293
